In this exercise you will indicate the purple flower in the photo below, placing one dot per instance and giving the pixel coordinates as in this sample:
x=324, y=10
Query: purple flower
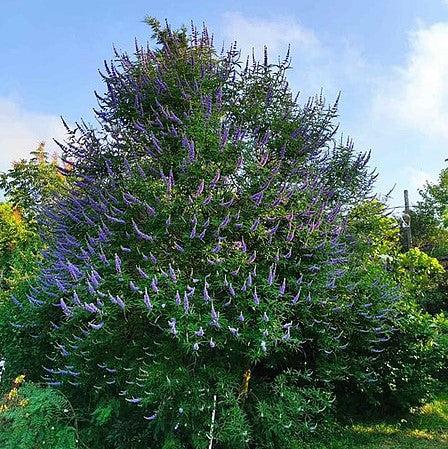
x=205, y=294
x=172, y=273
x=140, y=234
x=271, y=276
x=150, y=210
x=178, y=299
x=147, y=300
x=172, y=325
x=153, y=258
x=234, y=331
x=207, y=200
x=65, y=309
x=154, y=286
x=96, y=326
x=186, y=303
x=255, y=297
x=178, y=247
x=241, y=317
x=257, y=198
x=120, y=302
x=76, y=299
x=151, y=417
x=282, y=288
x=199, y=333
x=215, y=317
x=91, y=308
x=252, y=257
x=200, y=189
x=117, y=263
x=141, y=273
x=296, y=298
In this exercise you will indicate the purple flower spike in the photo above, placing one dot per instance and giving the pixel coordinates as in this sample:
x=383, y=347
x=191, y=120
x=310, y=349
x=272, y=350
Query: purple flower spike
x=296, y=298
x=200, y=189
x=147, y=300
x=64, y=308
x=154, y=286
x=96, y=326
x=234, y=331
x=252, y=257
x=282, y=288
x=186, y=303
x=241, y=317
x=178, y=247
x=76, y=299
x=199, y=333
x=256, y=297
x=172, y=273
x=231, y=290
x=255, y=225
x=172, y=325
x=215, y=317
x=117, y=263
x=151, y=417
x=142, y=273
x=257, y=198
x=153, y=258
x=140, y=234
x=120, y=302
x=205, y=294
x=178, y=298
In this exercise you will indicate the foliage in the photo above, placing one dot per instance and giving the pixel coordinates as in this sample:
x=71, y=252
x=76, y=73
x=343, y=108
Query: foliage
x=375, y=234
x=422, y=277
x=31, y=183
x=429, y=218
x=31, y=417
x=13, y=233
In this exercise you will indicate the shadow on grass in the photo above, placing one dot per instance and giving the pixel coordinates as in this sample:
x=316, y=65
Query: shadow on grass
x=425, y=429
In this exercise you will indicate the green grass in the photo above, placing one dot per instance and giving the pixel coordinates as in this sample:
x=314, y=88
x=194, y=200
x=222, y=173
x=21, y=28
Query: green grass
x=425, y=429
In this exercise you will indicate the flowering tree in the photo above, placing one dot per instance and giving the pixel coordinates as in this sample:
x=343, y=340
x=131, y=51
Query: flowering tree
x=197, y=275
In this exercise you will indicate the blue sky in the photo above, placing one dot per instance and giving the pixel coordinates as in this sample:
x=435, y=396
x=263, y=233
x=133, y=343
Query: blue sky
x=388, y=57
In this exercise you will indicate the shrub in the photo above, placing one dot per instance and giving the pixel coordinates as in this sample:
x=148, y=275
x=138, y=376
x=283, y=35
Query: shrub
x=31, y=416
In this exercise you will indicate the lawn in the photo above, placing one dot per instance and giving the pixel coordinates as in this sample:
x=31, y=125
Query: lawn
x=425, y=429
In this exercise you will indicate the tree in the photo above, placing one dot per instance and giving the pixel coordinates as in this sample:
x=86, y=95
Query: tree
x=30, y=184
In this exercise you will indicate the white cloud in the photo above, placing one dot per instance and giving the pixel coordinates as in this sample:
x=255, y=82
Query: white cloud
x=276, y=33
x=418, y=178
x=416, y=96
x=22, y=130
